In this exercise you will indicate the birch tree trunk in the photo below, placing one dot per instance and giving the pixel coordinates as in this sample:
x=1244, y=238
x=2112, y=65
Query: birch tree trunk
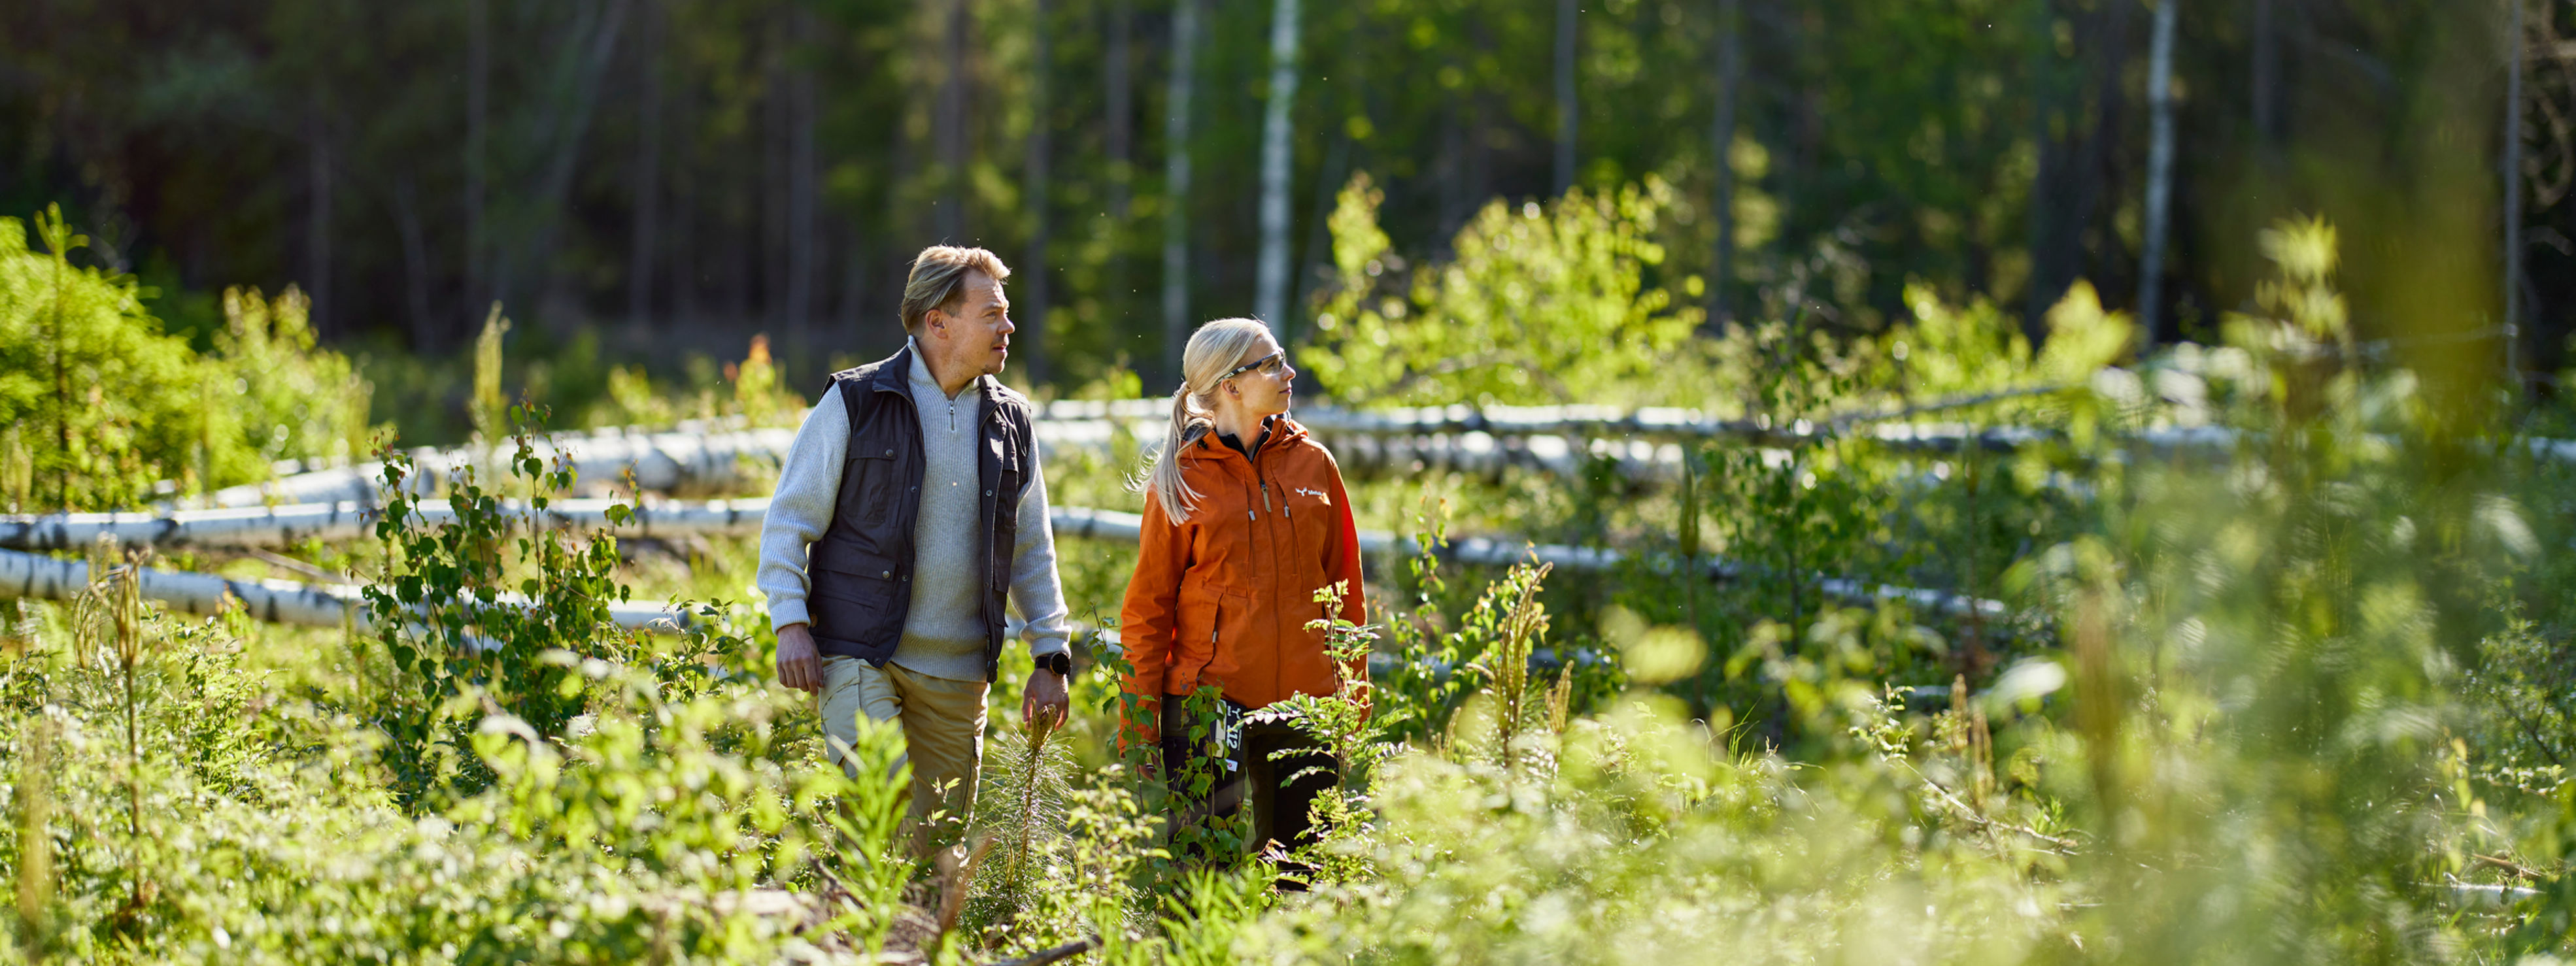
x=415, y=253
x=684, y=213
x=2266, y=41
x=949, y=134
x=317, y=212
x=478, y=109
x=1176, y=186
x=1034, y=292
x=2160, y=160
x=590, y=47
x=804, y=239
x=1118, y=137
x=648, y=173
x=1270, y=290
x=2514, y=47
x=768, y=275
x=1730, y=68
x=1566, y=109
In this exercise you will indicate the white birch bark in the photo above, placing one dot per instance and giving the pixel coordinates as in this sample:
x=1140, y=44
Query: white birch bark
x=478, y=99
x=2514, y=47
x=2160, y=161
x=804, y=169
x=1270, y=288
x=1730, y=71
x=37, y=577
x=348, y=520
x=1035, y=289
x=674, y=461
x=643, y=243
x=1176, y=186
x=1567, y=111
x=948, y=128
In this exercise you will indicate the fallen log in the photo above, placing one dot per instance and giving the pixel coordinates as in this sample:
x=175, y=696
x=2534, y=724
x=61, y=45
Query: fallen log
x=665, y=462
x=215, y=528
x=1363, y=444
x=38, y=577
x=351, y=520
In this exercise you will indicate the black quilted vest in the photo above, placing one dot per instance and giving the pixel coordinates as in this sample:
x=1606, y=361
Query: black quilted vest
x=861, y=570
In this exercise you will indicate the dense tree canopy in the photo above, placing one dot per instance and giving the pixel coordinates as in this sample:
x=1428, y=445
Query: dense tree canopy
x=683, y=173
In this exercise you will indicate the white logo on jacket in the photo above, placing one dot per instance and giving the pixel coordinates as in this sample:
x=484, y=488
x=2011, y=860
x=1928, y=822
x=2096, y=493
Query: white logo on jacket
x=1317, y=494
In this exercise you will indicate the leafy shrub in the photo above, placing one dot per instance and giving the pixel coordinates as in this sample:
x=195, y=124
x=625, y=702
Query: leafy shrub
x=295, y=401
x=1538, y=305
x=680, y=812
x=99, y=403
x=102, y=407
x=494, y=606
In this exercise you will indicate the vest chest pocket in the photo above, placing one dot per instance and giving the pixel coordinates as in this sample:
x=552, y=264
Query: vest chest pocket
x=1008, y=473
x=868, y=481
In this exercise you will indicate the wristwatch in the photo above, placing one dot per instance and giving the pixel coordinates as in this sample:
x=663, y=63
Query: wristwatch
x=1061, y=662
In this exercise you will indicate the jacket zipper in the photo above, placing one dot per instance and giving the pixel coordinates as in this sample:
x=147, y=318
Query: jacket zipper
x=1260, y=444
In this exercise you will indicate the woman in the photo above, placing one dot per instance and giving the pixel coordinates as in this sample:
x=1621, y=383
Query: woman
x=1245, y=518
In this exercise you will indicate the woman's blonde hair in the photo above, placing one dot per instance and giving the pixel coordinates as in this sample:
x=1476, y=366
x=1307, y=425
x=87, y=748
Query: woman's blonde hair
x=1215, y=348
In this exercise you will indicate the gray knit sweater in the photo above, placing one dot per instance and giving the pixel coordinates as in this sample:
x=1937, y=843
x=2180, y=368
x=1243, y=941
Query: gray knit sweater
x=943, y=633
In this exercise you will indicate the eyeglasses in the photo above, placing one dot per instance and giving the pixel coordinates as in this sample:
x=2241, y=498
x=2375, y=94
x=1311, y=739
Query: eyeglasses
x=1270, y=365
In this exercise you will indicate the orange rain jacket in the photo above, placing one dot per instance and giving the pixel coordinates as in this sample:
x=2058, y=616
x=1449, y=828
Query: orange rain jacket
x=1223, y=597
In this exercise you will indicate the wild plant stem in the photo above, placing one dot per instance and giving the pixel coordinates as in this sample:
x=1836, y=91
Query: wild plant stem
x=129, y=650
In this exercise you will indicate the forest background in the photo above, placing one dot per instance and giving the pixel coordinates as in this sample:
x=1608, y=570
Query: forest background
x=2038, y=511
x=672, y=176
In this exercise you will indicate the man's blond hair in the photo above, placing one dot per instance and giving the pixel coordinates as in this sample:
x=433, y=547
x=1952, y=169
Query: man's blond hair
x=939, y=277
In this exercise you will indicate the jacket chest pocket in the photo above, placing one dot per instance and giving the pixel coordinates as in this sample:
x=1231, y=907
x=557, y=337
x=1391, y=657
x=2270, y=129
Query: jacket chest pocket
x=869, y=481
x=1313, y=520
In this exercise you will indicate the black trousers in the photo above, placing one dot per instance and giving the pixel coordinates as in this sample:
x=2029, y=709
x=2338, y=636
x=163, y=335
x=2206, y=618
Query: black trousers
x=1278, y=769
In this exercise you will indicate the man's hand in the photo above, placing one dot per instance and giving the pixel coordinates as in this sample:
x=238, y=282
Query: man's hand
x=799, y=666
x=1046, y=703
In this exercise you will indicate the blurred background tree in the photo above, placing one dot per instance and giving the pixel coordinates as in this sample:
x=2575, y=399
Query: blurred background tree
x=674, y=176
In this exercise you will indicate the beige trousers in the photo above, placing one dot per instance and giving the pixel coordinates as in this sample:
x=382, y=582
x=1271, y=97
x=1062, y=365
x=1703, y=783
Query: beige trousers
x=943, y=735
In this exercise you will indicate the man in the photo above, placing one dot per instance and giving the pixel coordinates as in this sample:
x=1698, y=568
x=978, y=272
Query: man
x=910, y=505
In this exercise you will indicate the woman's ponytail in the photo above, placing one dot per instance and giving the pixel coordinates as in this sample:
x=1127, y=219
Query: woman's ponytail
x=1163, y=482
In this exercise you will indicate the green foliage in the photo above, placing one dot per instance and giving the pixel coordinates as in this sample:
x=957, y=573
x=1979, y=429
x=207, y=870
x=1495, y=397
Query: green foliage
x=266, y=834
x=102, y=408
x=1342, y=725
x=1536, y=306
x=2290, y=693
x=295, y=401
x=2266, y=651
x=99, y=403
x=1019, y=884
x=491, y=609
